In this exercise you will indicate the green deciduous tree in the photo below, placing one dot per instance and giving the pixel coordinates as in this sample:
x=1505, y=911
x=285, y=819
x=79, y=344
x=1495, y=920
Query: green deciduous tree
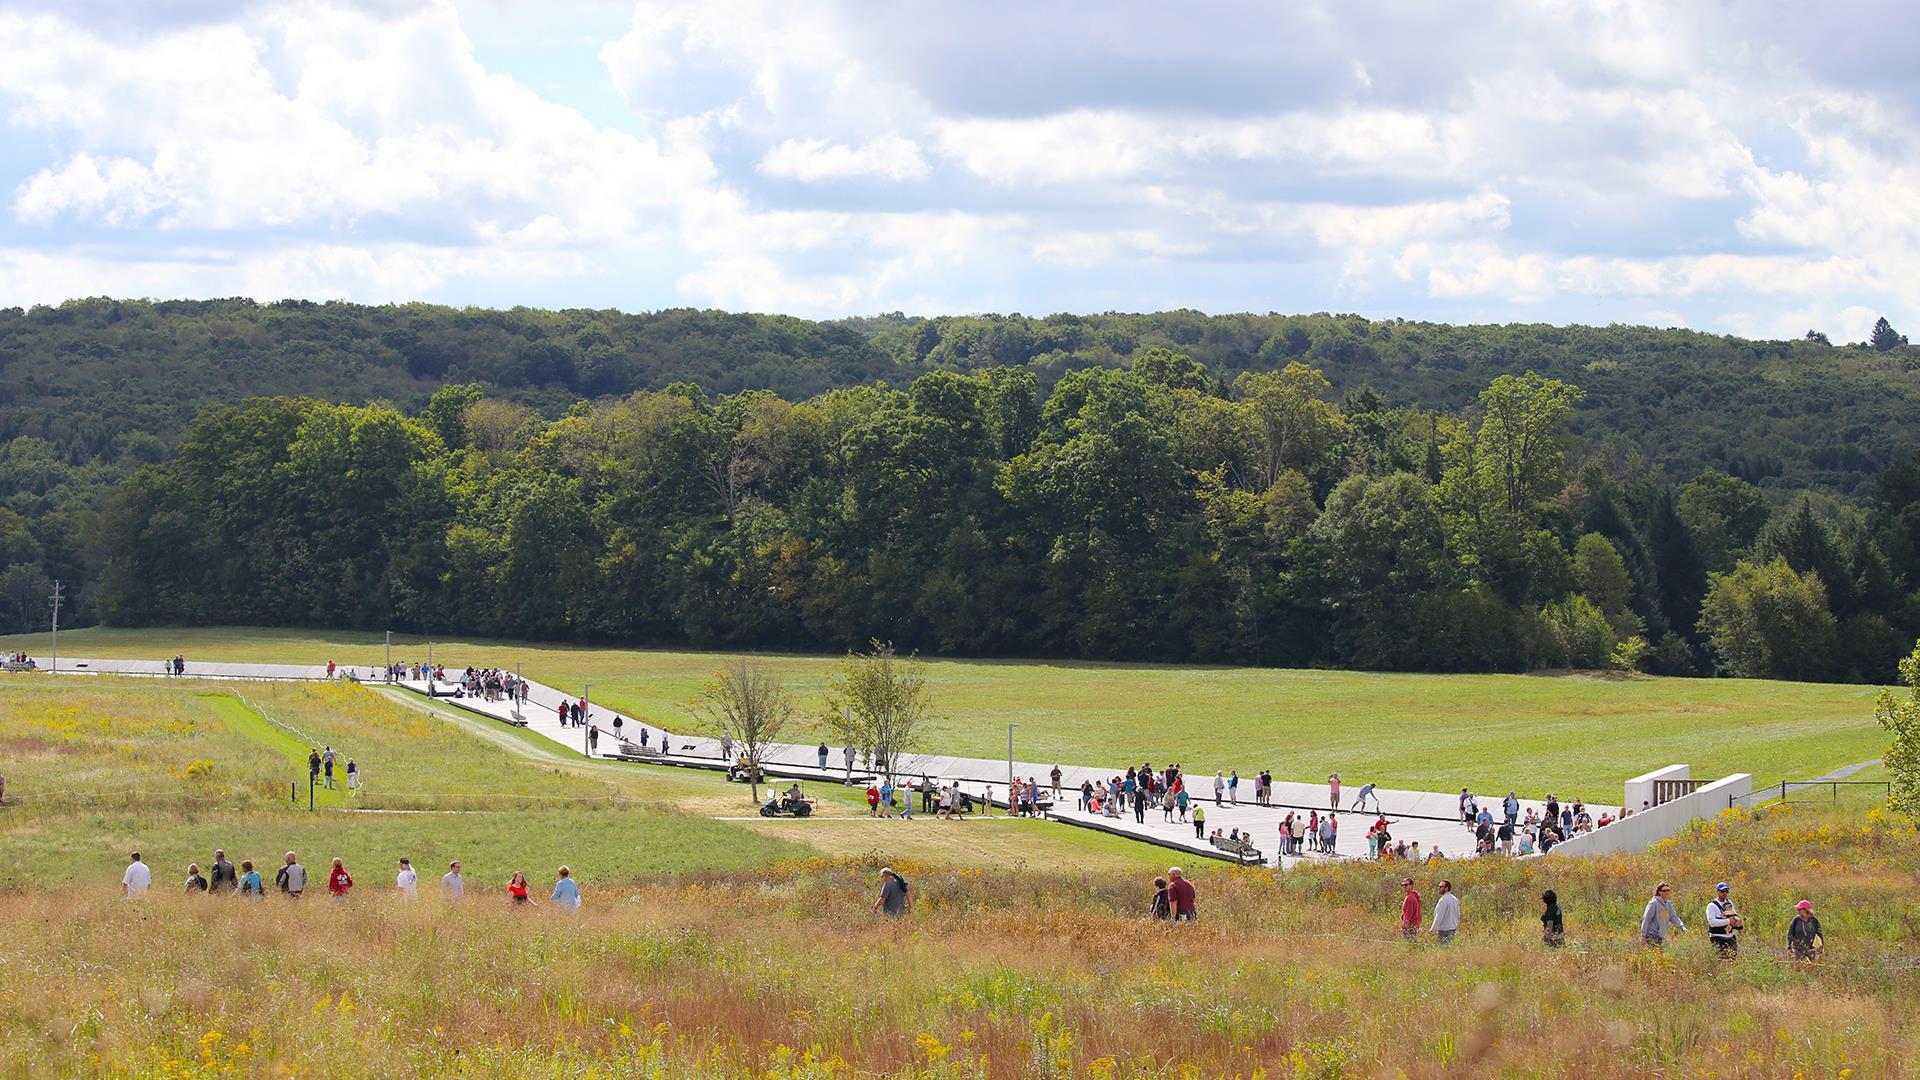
x=1765, y=621
x=878, y=703
x=748, y=704
x=1898, y=711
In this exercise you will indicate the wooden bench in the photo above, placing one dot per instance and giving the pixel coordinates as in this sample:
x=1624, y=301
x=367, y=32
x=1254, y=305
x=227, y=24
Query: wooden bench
x=1242, y=849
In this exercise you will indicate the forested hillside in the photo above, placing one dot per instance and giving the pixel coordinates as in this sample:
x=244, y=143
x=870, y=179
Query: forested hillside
x=1277, y=489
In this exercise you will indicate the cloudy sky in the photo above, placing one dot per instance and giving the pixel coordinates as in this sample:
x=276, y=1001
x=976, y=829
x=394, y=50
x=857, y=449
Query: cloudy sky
x=1743, y=167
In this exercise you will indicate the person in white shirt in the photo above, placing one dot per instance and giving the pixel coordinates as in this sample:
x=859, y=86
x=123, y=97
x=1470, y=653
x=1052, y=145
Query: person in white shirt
x=453, y=886
x=406, y=880
x=137, y=880
x=1446, y=914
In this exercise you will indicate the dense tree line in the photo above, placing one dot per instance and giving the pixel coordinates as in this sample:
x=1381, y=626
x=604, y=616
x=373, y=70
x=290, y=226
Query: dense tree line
x=96, y=390
x=1153, y=512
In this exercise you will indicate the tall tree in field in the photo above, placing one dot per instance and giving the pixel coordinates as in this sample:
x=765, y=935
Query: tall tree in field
x=749, y=705
x=878, y=703
x=1899, y=712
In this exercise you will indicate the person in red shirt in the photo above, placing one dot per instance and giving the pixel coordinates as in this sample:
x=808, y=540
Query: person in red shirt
x=338, y=881
x=1180, y=894
x=873, y=800
x=1410, y=910
x=517, y=888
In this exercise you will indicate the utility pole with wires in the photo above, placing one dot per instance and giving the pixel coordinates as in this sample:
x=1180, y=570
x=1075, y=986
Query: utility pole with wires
x=55, y=597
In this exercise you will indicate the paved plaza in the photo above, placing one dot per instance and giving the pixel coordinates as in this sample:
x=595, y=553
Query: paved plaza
x=1430, y=818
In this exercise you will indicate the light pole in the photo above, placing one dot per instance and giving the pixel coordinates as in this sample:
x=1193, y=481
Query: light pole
x=55, y=598
x=389, y=656
x=1010, y=728
x=586, y=718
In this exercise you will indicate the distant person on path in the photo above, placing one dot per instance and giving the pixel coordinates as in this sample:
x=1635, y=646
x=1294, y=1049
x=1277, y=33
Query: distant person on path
x=566, y=891
x=1056, y=782
x=452, y=885
x=329, y=669
x=292, y=877
x=195, y=883
x=407, y=881
x=1723, y=922
x=313, y=765
x=593, y=740
x=1409, y=910
x=137, y=879
x=561, y=709
x=1333, y=791
x=1199, y=821
x=1360, y=800
x=848, y=755
x=1553, y=928
x=1329, y=834
x=1660, y=919
x=823, y=757
x=224, y=879
x=339, y=883
x=353, y=779
x=873, y=801
x=895, y=900
x=1162, y=906
x=250, y=883
x=1180, y=894
x=1446, y=914
x=726, y=745
x=1219, y=789
x=1511, y=804
x=1803, y=933
x=326, y=766
x=1233, y=787
x=517, y=889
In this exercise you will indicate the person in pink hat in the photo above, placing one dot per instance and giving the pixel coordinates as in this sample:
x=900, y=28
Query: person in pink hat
x=1803, y=933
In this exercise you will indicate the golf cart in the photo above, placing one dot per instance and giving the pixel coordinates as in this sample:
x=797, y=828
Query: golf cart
x=788, y=803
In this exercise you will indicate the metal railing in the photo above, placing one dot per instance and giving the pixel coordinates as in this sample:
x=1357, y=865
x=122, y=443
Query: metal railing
x=1787, y=790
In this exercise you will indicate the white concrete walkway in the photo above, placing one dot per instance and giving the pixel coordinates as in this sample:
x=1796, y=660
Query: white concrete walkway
x=1430, y=818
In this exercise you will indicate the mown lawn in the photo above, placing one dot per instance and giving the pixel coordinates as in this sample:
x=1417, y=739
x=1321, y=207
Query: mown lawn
x=1437, y=732
x=98, y=767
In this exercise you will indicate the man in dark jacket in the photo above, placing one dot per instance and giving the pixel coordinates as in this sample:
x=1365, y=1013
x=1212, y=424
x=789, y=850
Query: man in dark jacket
x=224, y=877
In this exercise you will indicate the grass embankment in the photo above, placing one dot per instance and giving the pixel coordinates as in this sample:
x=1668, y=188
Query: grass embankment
x=1564, y=733
x=781, y=972
x=98, y=767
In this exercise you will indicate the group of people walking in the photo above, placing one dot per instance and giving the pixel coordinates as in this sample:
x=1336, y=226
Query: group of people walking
x=291, y=880
x=321, y=763
x=1659, y=922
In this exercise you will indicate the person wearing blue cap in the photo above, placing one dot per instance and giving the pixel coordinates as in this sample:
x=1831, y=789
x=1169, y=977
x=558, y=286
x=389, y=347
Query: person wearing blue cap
x=1723, y=922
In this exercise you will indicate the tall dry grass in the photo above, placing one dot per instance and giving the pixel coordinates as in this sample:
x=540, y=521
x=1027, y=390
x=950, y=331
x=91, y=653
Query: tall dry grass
x=784, y=973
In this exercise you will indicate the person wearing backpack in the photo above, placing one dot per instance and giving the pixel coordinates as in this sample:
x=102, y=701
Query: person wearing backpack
x=895, y=899
x=1162, y=906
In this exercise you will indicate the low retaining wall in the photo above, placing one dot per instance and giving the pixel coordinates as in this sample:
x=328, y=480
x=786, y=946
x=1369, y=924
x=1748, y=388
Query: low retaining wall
x=1645, y=828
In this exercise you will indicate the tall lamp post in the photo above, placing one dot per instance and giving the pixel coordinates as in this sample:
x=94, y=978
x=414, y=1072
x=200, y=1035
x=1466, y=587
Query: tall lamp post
x=586, y=719
x=389, y=656
x=55, y=598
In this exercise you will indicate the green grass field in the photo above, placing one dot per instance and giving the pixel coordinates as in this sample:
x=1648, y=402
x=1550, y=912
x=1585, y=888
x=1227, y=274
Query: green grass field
x=1436, y=732
x=99, y=767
